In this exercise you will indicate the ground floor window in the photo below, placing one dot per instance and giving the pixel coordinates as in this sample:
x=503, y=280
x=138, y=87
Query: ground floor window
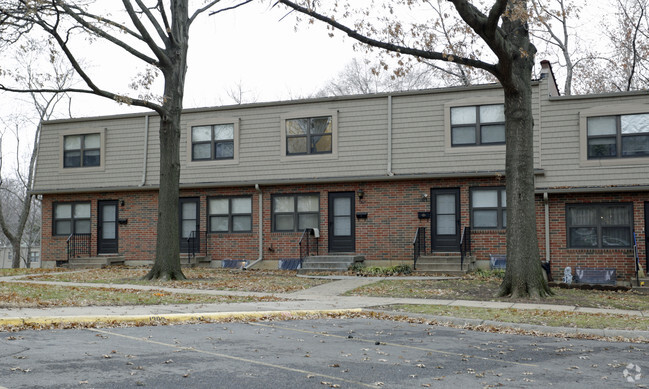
x=488, y=208
x=71, y=218
x=599, y=225
x=230, y=214
x=295, y=212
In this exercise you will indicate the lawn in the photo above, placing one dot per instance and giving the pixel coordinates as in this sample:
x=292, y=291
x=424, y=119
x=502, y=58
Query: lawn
x=482, y=288
x=29, y=295
x=262, y=281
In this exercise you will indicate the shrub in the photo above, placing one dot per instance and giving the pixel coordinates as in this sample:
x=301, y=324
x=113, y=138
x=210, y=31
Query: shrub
x=376, y=271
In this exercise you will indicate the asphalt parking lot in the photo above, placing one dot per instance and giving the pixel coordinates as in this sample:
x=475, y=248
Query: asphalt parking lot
x=339, y=353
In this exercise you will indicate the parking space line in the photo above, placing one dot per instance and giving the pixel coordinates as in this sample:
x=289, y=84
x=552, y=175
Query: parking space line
x=392, y=344
x=225, y=356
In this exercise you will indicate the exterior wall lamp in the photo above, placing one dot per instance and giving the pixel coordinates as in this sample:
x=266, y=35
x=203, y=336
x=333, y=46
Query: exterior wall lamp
x=424, y=197
x=361, y=194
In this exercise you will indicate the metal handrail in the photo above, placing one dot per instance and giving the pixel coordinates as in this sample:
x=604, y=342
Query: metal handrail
x=195, y=244
x=465, y=245
x=76, y=244
x=306, y=249
x=417, y=243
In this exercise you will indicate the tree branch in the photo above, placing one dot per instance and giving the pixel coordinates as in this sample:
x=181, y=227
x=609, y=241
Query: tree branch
x=154, y=22
x=229, y=8
x=390, y=46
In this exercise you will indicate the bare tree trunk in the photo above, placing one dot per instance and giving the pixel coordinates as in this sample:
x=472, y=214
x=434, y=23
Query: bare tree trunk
x=523, y=276
x=15, y=247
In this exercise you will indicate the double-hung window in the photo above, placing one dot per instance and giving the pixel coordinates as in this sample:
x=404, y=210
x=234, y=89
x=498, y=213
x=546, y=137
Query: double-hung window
x=230, y=214
x=489, y=208
x=478, y=125
x=295, y=212
x=311, y=135
x=71, y=218
x=81, y=150
x=618, y=136
x=213, y=142
x=599, y=225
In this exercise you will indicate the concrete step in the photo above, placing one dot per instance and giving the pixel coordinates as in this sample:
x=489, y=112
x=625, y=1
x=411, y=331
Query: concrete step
x=332, y=263
x=94, y=262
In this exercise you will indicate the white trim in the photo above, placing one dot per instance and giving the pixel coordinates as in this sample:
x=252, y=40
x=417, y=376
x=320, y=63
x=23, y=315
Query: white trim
x=309, y=114
x=471, y=101
x=211, y=122
x=606, y=110
x=83, y=169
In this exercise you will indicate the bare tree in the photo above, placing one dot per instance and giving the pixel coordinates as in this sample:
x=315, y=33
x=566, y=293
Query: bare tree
x=503, y=30
x=156, y=34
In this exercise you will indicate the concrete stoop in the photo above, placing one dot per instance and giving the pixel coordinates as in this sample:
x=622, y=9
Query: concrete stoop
x=445, y=263
x=94, y=262
x=195, y=261
x=329, y=263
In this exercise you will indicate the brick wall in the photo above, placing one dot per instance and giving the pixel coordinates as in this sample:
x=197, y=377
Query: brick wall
x=386, y=234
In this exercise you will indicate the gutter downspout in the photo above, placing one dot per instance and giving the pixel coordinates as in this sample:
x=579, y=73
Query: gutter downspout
x=546, y=204
x=146, y=149
x=389, y=172
x=260, y=228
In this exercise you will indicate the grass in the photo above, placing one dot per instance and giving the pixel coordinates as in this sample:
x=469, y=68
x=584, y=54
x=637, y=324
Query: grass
x=28, y=295
x=22, y=271
x=197, y=278
x=485, y=288
x=538, y=317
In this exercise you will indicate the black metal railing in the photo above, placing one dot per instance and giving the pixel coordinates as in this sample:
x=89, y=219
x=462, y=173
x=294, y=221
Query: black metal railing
x=636, y=258
x=308, y=244
x=78, y=245
x=196, y=243
x=418, y=246
x=465, y=245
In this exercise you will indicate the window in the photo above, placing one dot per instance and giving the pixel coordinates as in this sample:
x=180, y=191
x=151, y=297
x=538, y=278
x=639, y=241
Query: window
x=309, y=135
x=213, y=142
x=478, y=125
x=599, y=225
x=488, y=208
x=295, y=212
x=81, y=150
x=71, y=218
x=230, y=214
x=34, y=256
x=618, y=136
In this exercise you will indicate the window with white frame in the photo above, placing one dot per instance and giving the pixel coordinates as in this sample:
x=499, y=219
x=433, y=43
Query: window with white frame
x=34, y=256
x=212, y=142
x=478, y=125
x=599, y=225
x=81, y=150
x=618, y=136
x=230, y=214
x=489, y=208
x=71, y=218
x=295, y=212
x=310, y=135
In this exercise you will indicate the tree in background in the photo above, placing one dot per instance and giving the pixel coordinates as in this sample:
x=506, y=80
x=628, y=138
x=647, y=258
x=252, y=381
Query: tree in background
x=17, y=213
x=158, y=36
x=500, y=33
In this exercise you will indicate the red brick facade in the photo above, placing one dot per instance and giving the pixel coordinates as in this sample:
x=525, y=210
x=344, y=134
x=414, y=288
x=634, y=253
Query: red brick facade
x=386, y=234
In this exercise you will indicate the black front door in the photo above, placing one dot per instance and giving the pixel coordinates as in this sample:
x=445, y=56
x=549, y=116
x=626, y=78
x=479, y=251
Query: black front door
x=189, y=223
x=445, y=219
x=342, y=237
x=107, y=242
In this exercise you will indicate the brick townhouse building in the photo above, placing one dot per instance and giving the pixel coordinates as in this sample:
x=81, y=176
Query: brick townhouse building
x=366, y=170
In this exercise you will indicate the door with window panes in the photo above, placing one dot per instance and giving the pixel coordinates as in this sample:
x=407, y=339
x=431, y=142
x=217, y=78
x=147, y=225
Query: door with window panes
x=445, y=219
x=107, y=227
x=342, y=237
x=189, y=223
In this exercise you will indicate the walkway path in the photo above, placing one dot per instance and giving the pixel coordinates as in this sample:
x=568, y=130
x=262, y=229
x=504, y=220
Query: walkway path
x=322, y=298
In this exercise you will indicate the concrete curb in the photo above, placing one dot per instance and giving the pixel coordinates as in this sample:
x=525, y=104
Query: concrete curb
x=171, y=318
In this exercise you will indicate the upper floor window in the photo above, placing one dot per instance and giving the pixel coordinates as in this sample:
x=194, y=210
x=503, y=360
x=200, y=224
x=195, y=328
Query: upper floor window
x=295, y=212
x=489, y=208
x=599, y=225
x=213, y=142
x=618, y=136
x=81, y=150
x=230, y=214
x=312, y=135
x=71, y=218
x=478, y=125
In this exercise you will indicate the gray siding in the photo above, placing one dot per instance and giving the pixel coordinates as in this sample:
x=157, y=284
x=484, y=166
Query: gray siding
x=419, y=145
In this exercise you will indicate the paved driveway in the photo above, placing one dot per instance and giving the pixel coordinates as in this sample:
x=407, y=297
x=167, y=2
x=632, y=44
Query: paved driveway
x=345, y=353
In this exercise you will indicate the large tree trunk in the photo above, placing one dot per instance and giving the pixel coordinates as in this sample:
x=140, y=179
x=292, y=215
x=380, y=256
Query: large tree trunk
x=15, y=247
x=167, y=261
x=523, y=275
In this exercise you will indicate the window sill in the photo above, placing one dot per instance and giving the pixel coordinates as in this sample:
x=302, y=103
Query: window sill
x=309, y=157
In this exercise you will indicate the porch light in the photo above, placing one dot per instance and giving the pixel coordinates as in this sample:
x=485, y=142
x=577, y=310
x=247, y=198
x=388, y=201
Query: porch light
x=361, y=194
x=424, y=197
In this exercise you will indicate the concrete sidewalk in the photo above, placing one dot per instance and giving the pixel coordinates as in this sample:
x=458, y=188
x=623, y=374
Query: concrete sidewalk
x=320, y=299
